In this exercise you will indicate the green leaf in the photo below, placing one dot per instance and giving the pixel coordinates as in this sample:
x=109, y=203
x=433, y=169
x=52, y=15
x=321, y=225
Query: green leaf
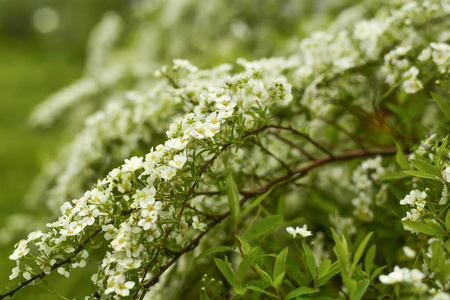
x=240, y=290
x=429, y=228
x=300, y=291
x=255, y=203
x=401, y=158
x=233, y=197
x=324, y=268
x=341, y=251
x=334, y=270
x=263, y=226
x=425, y=167
x=280, y=263
x=394, y=176
x=278, y=280
x=214, y=250
x=437, y=257
x=443, y=103
x=226, y=270
x=360, y=289
x=368, y=259
x=359, y=252
x=420, y=174
x=245, y=245
x=310, y=261
x=377, y=272
x=447, y=220
x=246, y=263
x=442, y=152
x=350, y=284
x=257, y=289
x=263, y=274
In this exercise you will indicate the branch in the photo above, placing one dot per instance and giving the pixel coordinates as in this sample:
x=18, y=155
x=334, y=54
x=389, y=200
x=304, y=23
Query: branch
x=55, y=266
x=294, y=145
x=305, y=136
x=301, y=171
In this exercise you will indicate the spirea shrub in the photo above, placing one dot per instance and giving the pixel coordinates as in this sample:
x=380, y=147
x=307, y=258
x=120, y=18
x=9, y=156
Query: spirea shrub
x=319, y=174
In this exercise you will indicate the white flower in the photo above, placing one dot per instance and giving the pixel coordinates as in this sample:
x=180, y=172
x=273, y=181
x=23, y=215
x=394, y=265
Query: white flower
x=225, y=103
x=291, y=231
x=132, y=164
x=63, y=272
x=446, y=174
x=301, y=231
x=118, y=285
x=20, y=251
x=34, y=235
x=178, y=161
x=184, y=64
x=425, y=54
x=15, y=273
x=197, y=225
x=406, y=275
x=147, y=221
x=168, y=172
x=441, y=53
x=177, y=143
x=410, y=253
x=110, y=231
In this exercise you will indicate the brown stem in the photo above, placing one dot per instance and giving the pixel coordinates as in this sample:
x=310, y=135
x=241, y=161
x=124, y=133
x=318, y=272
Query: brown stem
x=294, y=145
x=305, y=136
x=55, y=266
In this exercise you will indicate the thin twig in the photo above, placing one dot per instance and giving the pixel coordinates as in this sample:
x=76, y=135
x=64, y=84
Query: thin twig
x=294, y=145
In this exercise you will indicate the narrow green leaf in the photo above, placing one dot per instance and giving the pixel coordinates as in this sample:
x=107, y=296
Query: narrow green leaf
x=425, y=167
x=341, y=251
x=360, y=289
x=214, y=250
x=280, y=263
x=420, y=174
x=263, y=274
x=368, y=259
x=245, y=245
x=255, y=203
x=394, y=176
x=233, y=197
x=401, y=158
x=443, y=103
x=263, y=226
x=226, y=270
x=257, y=289
x=240, y=290
x=447, y=220
x=300, y=291
x=324, y=268
x=334, y=270
x=429, y=228
x=442, y=152
x=278, y=280
x=246, y=263
x=437, y=257
x=349, y=283
x=377, y=272
x=310, y=261
x=359, y=252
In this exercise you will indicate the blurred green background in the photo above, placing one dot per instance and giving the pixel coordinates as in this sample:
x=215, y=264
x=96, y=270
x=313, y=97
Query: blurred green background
x=32, y=66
